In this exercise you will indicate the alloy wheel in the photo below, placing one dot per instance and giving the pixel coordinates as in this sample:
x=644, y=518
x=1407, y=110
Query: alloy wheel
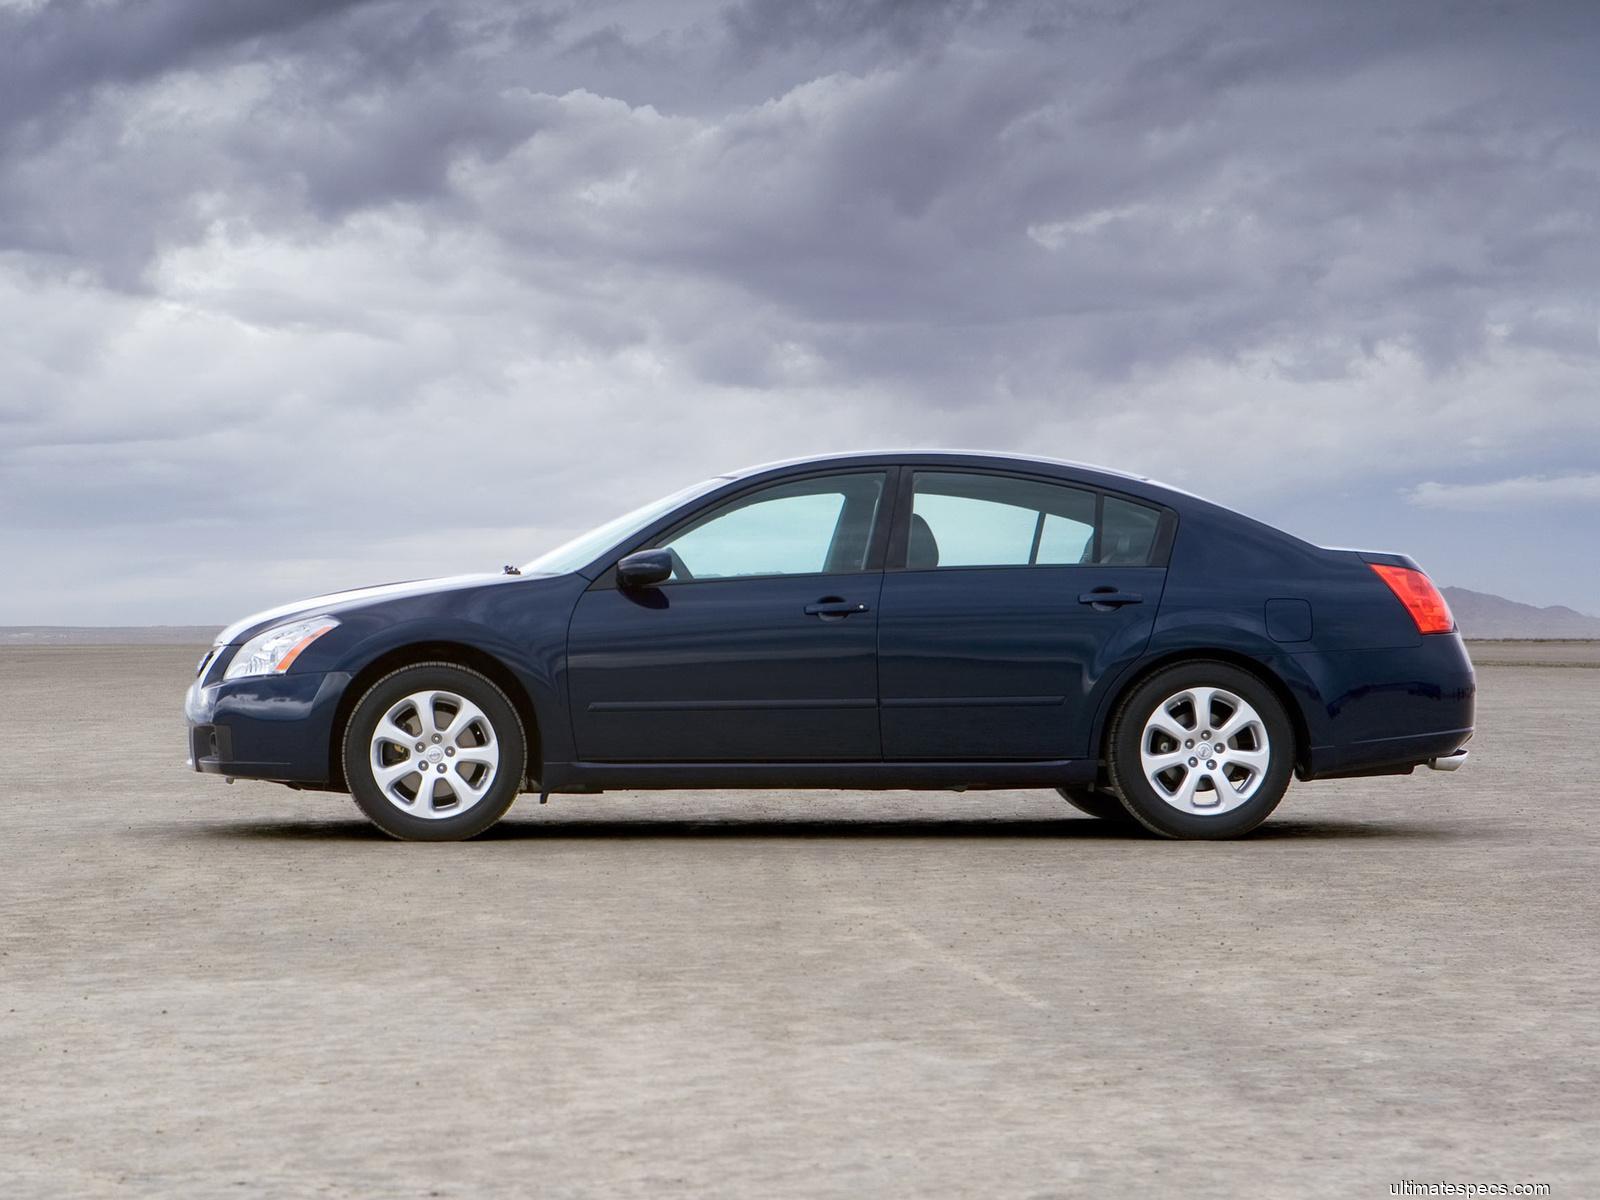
x=1205, y=751
x=434, y=754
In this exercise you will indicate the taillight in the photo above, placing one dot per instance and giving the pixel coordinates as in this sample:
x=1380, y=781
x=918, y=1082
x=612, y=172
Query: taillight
x=1422, y=600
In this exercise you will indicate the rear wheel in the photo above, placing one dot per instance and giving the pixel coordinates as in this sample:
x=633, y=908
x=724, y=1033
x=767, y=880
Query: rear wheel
x=434, y=752
x=1094, y=802
x=1201, y=750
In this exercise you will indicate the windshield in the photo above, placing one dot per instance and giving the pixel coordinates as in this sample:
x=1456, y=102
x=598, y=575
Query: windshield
x=586, y=547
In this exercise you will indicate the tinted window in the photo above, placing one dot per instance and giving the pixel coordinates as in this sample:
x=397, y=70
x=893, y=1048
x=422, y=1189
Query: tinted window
x=1128, y=532
x=811, y=526
x=997, y=521
x=969, y=520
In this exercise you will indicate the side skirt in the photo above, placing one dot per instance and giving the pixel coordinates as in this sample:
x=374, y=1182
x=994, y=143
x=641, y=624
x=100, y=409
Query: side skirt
x=863, y=776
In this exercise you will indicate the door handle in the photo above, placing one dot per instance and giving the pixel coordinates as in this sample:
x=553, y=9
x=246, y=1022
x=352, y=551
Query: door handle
x=1105, y=599
x=830, y=607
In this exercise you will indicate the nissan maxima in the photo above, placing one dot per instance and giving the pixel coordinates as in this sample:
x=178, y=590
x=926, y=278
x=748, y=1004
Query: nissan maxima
x=943, y=621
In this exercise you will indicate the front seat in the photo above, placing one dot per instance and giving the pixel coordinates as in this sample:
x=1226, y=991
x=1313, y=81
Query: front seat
x=922, y=551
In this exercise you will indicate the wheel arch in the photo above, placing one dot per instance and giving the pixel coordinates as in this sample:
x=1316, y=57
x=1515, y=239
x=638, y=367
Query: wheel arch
x=459, y=653
x=1269, y=678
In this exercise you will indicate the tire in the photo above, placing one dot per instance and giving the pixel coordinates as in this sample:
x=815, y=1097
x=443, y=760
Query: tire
x=1095, y=803
x=442, y=776
x=1210, y=787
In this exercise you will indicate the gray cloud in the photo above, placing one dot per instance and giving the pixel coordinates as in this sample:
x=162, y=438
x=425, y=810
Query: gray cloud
x=292, y=295
x=59, y=53
x=1500, y=494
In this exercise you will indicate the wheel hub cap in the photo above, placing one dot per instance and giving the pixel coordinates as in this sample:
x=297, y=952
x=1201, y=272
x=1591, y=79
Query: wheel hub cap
x=434, y=754
x=1205, y=777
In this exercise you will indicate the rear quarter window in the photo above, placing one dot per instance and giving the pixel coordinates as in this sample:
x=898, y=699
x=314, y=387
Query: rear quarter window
x=1127, y=533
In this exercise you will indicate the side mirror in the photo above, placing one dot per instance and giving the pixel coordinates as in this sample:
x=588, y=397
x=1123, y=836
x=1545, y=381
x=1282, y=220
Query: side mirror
x=644, y=568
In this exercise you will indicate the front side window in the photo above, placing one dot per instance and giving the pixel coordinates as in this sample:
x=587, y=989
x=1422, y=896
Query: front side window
x=981, y=520
x=812, y=526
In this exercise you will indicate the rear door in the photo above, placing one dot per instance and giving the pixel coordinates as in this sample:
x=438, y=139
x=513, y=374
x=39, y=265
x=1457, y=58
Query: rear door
x=1007, y=600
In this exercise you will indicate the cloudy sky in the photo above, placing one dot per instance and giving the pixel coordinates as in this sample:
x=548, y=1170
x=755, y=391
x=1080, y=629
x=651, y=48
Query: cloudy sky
x=299, y=294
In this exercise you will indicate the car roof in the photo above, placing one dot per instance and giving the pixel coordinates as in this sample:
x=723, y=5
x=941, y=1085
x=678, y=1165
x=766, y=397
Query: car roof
x=1067, y=468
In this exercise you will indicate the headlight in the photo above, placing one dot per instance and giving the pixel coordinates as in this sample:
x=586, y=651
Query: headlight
x=275, y=650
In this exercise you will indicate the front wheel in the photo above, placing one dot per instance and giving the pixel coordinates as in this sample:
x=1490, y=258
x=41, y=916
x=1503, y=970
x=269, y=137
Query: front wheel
x=434, y=752
x=1201, y=750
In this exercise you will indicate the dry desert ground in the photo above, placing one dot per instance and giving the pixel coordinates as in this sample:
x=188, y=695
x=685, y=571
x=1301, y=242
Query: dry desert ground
x=210, y=990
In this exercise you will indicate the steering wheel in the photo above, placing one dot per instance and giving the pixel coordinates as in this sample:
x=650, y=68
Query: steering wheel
x=680, y=569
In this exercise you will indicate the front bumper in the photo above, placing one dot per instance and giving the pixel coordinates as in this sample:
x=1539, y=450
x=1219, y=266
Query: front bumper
x=277, y=727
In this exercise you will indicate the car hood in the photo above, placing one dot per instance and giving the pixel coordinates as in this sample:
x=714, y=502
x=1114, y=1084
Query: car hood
x=335, y=602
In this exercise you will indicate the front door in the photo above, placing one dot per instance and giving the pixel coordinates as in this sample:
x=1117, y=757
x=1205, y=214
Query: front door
x=991, y=639
x=761, y=647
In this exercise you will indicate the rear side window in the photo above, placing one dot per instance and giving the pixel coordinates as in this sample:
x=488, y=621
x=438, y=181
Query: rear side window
x=982, y=520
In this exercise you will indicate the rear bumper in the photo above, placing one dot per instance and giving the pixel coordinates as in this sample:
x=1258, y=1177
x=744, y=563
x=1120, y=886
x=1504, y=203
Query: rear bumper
x=1389, y=756
x=276, y=727
x=1389, y=711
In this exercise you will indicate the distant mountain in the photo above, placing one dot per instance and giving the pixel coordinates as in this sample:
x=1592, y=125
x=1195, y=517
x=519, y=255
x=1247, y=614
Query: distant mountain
x=1481, y=615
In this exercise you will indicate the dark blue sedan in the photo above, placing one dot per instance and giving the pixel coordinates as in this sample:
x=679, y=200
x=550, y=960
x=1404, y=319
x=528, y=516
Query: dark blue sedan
x=914, y=620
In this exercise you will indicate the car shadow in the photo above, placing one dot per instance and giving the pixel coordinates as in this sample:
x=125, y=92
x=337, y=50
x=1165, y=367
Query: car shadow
x=1069, y=828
